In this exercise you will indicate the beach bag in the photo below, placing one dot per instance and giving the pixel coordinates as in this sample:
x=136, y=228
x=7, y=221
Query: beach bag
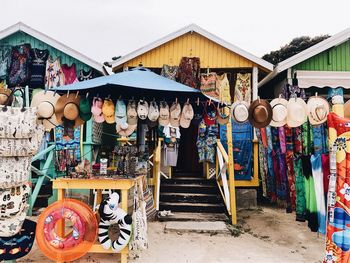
x=22, y=147
x=13, y=200
x=139, y=238
x=19, y=245
x=10, y=226
x=17, y=122
x=14, y=171
x=151, y=211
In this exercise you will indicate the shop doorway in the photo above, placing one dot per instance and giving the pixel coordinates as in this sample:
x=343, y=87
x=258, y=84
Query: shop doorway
x=188, y=161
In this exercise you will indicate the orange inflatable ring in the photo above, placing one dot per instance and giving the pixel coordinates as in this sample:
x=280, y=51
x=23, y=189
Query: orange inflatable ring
x=77, y=242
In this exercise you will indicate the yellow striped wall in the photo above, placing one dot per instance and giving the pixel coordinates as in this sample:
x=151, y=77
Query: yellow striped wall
x=211, y=54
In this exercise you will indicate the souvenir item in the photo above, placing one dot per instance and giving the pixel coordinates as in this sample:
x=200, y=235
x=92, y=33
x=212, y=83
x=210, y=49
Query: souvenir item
x=5, y=60
x=10, y=226
x=296, y=112
x=19, y=245
x=279, y=112
x=108, y=111
x=209, y=86
x=124, y=129
x=175, y=113
x=223, y=86
x=169, y=72
x=85, y=75
x=120, y=112
x=186, y=115
x=67, y=108
x=46, y=101
x=4, y=95
x=210, y=112
x=111, y=214
x=189, y=72
x=223, y=114
x=19, y=71
x=153, y=114
x=16, y=122
x=164, y=114
x=13, y=200
x=260, y=113
x=54, y=76
x=318, y=109
x=142, y=109
x=70, y=74
x=131, y=113
x=14, y=171
x=243, y=89
x=78, y=242
x=22, y=147
x=240, y=112
x=38, y=66
x=85, y=109
x=96, y=110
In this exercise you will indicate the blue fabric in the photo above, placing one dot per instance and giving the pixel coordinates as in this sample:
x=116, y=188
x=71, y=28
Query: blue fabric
x=242, y=139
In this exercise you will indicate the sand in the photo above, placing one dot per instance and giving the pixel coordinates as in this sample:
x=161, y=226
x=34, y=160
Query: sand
x=266, y=235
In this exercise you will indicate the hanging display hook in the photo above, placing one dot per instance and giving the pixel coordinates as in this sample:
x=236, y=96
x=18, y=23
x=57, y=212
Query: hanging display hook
x=77, y=94
x=68, y=94
x=87, y=94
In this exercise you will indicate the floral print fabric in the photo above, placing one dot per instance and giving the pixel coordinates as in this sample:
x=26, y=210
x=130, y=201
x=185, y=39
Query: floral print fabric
x=19, y=72
x=169, y=72
x=189, y=72
x=54, y=76
x=243, y=89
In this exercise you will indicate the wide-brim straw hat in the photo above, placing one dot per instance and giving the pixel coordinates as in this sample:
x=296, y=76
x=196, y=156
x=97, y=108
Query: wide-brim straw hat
x=260, y=113
x=296, y=112
x=318, y=110
x=46, y=102
x=4, y=95
x=67, y=106
x=279, y=112
x=240, y=111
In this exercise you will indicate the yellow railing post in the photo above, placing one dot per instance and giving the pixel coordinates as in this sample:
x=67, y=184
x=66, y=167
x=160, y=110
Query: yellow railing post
x=156, y=173
x=231, y=171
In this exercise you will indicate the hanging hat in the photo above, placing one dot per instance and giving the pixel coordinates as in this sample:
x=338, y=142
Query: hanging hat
x=223, y=114
x=240, y=111
x=120, y=112
x=260, y=113
x=96, y=110
x=131, y=113
x=296, y=112
x=125, y=130
x=142, y=109
x=186, y=115
x=210, y=113
x=279, y=112
x=46, y=102
x=67, y=107
x=153, y=114
x=164, y=114
x=318, y=109
x=20, y=244
x=108, y=111
x=175, y=113
x=4, y=95
x=85, y=109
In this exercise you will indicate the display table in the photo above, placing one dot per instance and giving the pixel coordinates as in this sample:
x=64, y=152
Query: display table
x=99, y=184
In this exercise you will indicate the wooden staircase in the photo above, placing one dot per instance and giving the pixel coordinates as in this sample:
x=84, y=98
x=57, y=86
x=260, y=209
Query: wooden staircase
x=191, y=197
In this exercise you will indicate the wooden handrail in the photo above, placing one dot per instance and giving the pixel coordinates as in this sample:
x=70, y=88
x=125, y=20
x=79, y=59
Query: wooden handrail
x=222, y=150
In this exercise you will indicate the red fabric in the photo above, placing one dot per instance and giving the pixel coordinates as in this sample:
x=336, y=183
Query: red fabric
x=70, y=74
x=326, y=172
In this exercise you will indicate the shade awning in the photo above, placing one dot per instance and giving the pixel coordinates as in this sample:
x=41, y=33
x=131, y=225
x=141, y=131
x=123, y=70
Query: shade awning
x=321, y=79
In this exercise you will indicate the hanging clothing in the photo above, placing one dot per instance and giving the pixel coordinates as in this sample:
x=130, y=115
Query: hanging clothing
x=5, y=61
x=170, y=155
x=262, y=162
x=19, y=72
x=223, y=87
x=300, y=207
x=54, y=76
x=271, y=177
x=189, y=72
x=39, y=58
x=171, y=145
x=206, y=142
x=209, y=86
x=169, y=72
x=86, y=75
x=243, y=88
x=70, y=74
x=289, y=91
x=290, y=166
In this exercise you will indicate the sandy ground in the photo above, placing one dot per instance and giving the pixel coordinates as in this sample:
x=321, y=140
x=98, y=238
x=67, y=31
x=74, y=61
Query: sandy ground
x=268, y=235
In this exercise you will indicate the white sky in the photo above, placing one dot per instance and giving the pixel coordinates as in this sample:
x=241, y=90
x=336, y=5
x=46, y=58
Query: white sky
x=102, y=29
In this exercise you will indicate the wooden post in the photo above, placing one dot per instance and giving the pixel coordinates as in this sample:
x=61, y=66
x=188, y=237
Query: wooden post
x=231, y=171
x=156, y=174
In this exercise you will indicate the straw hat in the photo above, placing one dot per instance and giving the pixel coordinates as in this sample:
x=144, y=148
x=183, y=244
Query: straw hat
x=240, y=111
x=4, y=94
x=175, y=113
x=223, y=115
x=46, y=102
x=108, y=111
x=164, y=114
x=186, y=115
x=142, y=109
x=260, y=113
x=279, y=112
x=96, y=110
x=67, y=106
x=296, y=112
x=318, y=109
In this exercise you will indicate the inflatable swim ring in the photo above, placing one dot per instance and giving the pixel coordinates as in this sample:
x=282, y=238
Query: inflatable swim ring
x=78, y=241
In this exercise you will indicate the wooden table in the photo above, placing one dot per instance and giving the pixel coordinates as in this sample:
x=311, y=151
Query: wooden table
x=63, y=184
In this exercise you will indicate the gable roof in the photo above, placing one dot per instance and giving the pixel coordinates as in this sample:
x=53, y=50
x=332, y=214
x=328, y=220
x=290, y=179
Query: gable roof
x=50, y=41
x=324, y=45
x=201, y=31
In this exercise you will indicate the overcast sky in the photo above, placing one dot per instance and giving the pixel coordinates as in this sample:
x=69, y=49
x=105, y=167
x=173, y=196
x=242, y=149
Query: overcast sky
x=102, y=29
